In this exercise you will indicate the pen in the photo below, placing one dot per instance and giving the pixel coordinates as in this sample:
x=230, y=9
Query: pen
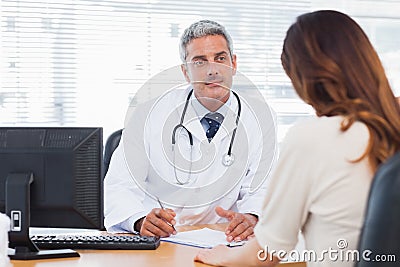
x=235, y=244
x=162, y=207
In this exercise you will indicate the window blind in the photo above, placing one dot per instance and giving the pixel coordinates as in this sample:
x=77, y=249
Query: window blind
x=80, y=62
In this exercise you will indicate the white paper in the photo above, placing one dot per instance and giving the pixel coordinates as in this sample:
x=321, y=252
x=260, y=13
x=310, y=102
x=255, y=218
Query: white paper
x=202, y=238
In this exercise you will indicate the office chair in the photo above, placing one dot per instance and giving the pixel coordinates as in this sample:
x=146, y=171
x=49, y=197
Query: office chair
x=381, y=230
x=111, y=144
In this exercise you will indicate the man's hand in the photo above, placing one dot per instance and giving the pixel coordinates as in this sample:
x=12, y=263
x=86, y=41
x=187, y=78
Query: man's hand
x=159, y=222
x=240, y=226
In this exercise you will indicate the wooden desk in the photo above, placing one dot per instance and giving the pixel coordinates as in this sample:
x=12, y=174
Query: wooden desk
x=168, y=254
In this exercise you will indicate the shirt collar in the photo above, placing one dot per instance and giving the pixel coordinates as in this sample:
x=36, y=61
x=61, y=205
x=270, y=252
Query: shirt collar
x=201, y=110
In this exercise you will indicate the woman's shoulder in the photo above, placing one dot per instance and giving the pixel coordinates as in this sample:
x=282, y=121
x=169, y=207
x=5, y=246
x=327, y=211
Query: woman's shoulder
x=327, y=129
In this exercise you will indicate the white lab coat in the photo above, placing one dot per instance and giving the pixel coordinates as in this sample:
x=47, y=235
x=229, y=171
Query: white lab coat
x=141, y=168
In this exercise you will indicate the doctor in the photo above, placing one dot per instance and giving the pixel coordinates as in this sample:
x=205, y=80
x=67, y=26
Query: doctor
x=195, y=155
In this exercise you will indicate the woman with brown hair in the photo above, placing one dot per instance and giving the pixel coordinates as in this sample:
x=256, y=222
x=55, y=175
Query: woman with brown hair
x=321, y=183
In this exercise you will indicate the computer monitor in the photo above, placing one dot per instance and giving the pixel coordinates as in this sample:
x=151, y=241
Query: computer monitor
x=50, y=177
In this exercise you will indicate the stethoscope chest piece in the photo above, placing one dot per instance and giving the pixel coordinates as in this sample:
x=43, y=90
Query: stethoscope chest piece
x=228, y=160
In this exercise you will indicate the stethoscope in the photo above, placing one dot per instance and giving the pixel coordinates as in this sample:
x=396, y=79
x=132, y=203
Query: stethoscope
x=227, y=160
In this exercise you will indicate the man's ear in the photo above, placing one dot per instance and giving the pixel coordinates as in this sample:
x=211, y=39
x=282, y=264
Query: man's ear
x=185, y=72
x=234, y=64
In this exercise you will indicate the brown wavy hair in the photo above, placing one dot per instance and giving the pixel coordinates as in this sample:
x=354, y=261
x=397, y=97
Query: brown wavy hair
x=334, y=68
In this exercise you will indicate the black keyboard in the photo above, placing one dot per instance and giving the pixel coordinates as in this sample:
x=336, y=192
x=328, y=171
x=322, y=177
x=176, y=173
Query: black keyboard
x=96, y=242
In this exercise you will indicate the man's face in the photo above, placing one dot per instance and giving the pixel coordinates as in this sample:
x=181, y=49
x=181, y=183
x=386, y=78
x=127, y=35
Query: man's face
x=209, y=68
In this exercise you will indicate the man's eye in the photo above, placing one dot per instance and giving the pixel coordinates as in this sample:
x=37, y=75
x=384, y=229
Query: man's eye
x=221, y=58
x=199, y=62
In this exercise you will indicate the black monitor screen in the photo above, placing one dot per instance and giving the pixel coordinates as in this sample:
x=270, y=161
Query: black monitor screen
x=66, y=167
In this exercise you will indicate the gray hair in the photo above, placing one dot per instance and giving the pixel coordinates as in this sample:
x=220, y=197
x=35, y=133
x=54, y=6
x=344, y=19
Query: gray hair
x=200, y=29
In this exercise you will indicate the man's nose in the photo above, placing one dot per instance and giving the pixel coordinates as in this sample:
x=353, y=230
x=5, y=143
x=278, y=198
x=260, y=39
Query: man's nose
x=213, y=68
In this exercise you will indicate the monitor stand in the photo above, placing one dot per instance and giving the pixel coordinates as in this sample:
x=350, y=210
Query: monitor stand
x=18, y=209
